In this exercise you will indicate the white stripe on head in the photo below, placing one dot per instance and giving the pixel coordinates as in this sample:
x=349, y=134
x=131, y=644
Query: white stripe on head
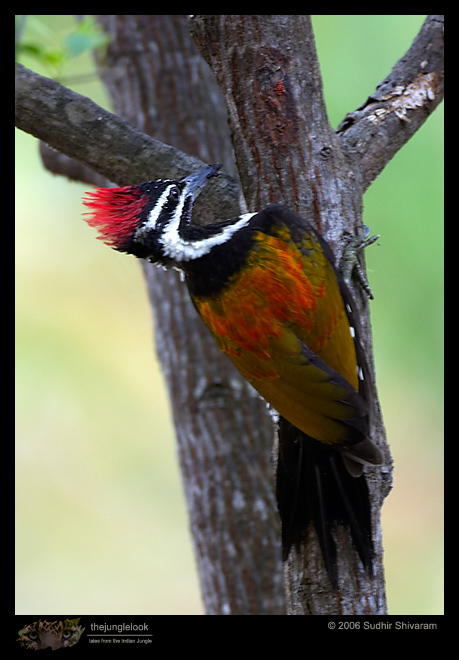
x=155, y=212
x=179, y=249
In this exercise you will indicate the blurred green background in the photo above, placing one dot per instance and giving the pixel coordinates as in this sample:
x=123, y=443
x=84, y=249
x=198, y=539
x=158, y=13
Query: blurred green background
x=101, y=520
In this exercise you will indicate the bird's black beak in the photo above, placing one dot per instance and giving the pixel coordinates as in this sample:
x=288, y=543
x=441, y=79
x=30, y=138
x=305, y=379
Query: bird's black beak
x=198, y=180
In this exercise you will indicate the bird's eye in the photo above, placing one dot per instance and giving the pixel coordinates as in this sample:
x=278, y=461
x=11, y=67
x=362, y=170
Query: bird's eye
x=174, y=193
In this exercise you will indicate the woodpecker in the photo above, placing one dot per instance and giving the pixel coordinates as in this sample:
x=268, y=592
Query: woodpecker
x=267, y=287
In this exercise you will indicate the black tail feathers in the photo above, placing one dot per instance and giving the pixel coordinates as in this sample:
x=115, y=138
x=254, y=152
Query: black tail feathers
x=313, y=485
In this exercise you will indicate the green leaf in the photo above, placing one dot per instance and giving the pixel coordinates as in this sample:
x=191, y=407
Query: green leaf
x=86, y=36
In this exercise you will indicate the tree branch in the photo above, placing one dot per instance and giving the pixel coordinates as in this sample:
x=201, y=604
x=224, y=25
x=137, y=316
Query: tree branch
x=65, y=120
x=79, y=128
x=58, y=163
x=400, y=105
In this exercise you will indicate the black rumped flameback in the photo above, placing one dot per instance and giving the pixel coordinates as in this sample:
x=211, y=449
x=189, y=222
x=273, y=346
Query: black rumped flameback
x=267, y=287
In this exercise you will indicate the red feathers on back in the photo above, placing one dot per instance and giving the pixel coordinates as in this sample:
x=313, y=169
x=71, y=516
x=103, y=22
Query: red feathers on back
x=115, y=213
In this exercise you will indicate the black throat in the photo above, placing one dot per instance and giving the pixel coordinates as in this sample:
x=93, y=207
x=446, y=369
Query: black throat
x=211, y=273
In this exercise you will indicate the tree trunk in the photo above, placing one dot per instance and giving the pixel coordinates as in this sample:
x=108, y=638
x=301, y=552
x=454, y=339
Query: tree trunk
x=287, y=152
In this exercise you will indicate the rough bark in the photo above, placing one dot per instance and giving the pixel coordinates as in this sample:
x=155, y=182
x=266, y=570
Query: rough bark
x=401, y=103
x=282, y=134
